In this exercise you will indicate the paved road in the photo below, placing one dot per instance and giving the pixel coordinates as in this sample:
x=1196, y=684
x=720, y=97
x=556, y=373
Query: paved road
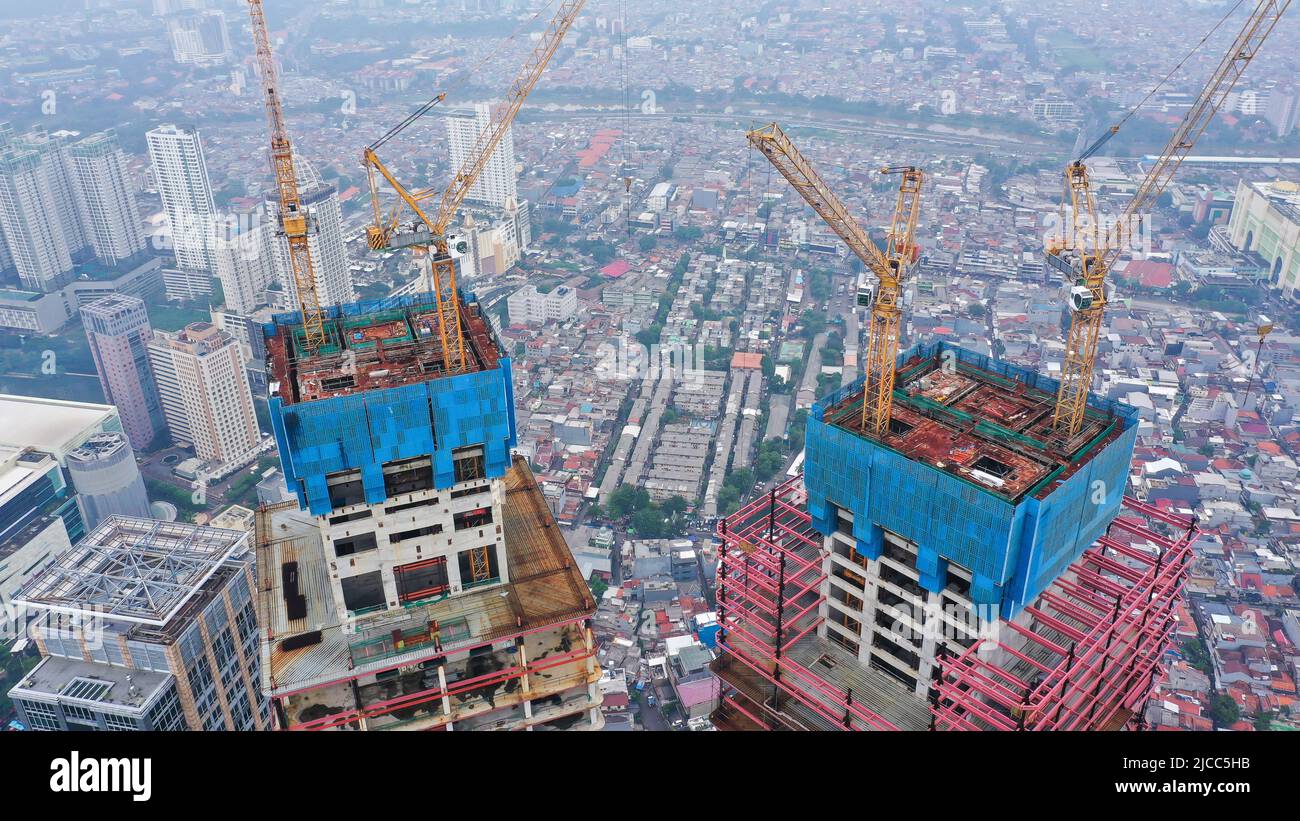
x=651, y=718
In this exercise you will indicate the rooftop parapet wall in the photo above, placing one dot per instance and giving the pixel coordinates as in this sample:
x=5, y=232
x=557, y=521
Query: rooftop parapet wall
x=1014, y=545
x=365, y=429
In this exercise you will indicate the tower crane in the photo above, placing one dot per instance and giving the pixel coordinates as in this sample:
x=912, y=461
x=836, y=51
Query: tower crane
x=889, y=266
x=1086, y=260
x=295, y=223
x=429, y=231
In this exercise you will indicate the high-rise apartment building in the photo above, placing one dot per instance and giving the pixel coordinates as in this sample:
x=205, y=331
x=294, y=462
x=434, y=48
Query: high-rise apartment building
x=181, y=174
x=496, y=183
x=31, y=219
x=117, y=328
x=107, y=480
x=56, y=165
x=247, y=264
x=419, y=580
x=105, y=198
x=60, y=203
x=201, y=378
x=165, y=641
x=325, y=241
x=199, y=37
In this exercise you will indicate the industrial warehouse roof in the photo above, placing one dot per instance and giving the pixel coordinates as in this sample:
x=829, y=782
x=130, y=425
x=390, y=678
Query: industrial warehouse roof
x=545, y=587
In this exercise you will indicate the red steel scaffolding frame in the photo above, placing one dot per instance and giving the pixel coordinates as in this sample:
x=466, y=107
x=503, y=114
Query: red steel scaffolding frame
x=769, y=596
x=1090, y=655
x=1088, y=658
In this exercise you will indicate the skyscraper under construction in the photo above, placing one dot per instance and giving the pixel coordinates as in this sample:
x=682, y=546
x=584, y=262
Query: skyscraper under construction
x=419, y=580
x=973, y=568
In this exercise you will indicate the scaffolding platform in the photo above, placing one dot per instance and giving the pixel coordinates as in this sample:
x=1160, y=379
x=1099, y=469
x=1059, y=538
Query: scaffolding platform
x=780, y=673
x=1089, y=655
x=1084, y=655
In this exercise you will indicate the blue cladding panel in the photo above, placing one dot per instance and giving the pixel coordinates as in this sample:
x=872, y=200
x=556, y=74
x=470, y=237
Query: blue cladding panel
x=363, y=431
x=1013, y=551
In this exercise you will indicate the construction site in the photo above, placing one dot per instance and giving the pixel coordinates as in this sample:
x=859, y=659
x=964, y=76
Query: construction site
x=960, y=553
x=419, y=581
x=372, y=346
x=516, y=656
x=1083, y=656
x=963, y=477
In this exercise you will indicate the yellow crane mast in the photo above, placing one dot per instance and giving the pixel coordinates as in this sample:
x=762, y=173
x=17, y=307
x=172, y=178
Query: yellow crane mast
x=1086, y=260
x=889, y=266
x=431, y=232
x=295, y=222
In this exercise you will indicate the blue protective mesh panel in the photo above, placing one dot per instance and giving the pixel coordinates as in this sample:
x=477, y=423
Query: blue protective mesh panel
x=1013, y=550
x=363, y=431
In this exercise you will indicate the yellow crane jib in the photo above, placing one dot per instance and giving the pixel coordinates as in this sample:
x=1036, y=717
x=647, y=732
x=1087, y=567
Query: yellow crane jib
x=426, y=232
x=294, y=221
x=1086, y=260
x=890, y=266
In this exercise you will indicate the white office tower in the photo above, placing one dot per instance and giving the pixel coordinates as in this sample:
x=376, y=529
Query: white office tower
x=169, y=389
x=106, y=198
x=31, y=223
x=204, y=390
x=246, y=265
x=329, y=259
x=496, y=183
x=199, y=37
x=107, y=479
x=181, y=174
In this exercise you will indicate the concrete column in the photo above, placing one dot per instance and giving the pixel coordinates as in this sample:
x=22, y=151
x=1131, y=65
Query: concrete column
x=446, y=699
x=823, y=609
x=523, y=665
x=931, y=637
x=869, y=604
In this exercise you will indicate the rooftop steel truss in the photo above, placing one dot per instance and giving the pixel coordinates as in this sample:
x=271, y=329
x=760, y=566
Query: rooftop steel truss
x=134, y=570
